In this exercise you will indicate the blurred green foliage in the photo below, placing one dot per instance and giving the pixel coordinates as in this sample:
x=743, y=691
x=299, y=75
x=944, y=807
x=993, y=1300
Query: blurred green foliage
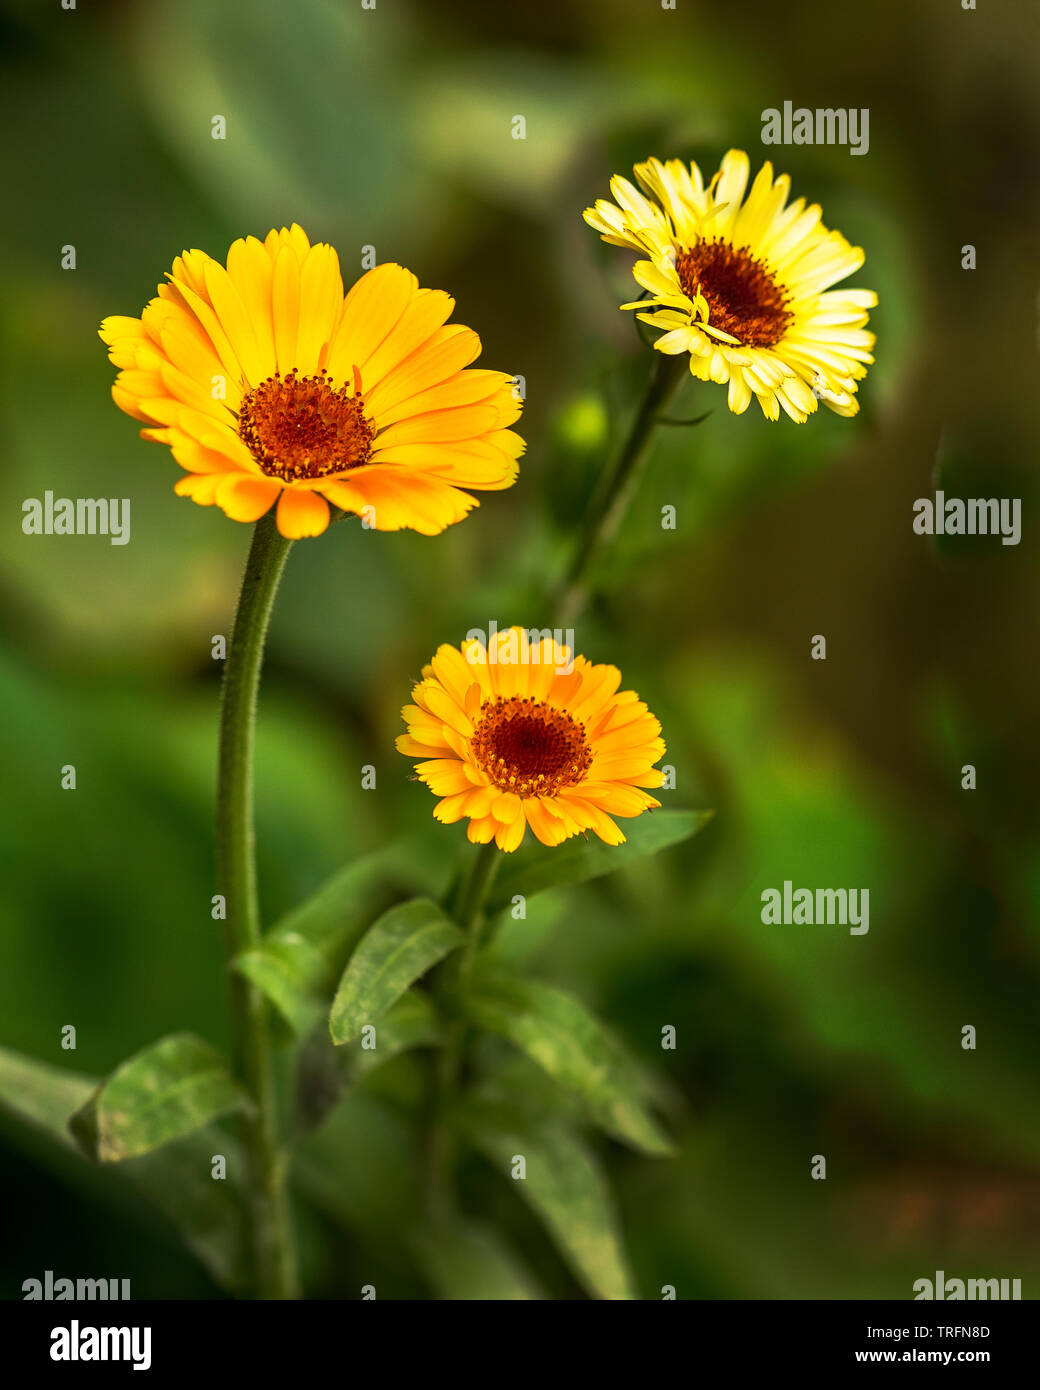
x=392, y=128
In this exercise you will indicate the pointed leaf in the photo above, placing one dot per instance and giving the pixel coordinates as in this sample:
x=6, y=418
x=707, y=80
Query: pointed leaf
x=289, y=971
x=376, y=1186
x=563, y=1184
x=411, y=1022
x=559, y=1033
x=170, y=1089
x=300, y=959
x=334, y=917
x=177, y=1180
x=324, y=1071
x=465, y=1259
x=537, y=867
x=392, y=955
x=44, y=1095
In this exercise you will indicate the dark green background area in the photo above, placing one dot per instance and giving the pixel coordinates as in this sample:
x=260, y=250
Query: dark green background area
x=391, y=128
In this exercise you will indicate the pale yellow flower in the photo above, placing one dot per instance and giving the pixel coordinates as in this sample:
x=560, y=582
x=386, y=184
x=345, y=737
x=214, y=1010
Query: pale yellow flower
x=740, y=280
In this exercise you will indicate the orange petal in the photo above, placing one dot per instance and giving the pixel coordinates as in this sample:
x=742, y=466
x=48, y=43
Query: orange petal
x=507, y=807
x=510, y=837
x=301, y=513
x=245, y=498
x=480, y=832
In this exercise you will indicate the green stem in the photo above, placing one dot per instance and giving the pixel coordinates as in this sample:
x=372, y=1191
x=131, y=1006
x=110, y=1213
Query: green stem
x=469, y=913
x=606, y=512
x=270, y=1219
x=617, y=486
x=470, y=907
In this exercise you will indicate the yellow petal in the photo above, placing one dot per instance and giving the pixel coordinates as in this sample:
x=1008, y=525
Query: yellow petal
x=285, y=307
x=423, y=315
x=447, y=352
x=370, y=310
x=391, y=500
x=234, y=318
x=440, y=426
x=252, y=271
x=321, y=300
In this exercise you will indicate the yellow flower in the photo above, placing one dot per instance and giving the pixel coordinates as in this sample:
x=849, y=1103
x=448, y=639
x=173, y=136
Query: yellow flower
x=742, y=284
x=516, y=734
x=271, y=385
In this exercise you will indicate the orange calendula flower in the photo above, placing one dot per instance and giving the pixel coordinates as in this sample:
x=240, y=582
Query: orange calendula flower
x=273, y=387
x=518, y=733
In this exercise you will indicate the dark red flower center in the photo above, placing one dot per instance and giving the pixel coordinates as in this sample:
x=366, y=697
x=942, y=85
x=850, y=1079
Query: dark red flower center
x=743, y=298
x=531, y=748
x=304, y=427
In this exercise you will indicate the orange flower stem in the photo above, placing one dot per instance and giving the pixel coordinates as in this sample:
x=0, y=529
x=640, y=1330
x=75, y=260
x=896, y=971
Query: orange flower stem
x=269, y=1213
x=618, y=484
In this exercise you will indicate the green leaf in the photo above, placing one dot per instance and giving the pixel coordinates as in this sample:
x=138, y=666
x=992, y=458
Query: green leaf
x=559, y=1033
x=170, y=1089
x=563, y=1184
x=324, y=1072
x=468, y=1260
x=392, y=955
x=301, y=957
x=333, y=918
x=537, y=867
x=44, y=1095
x=289, y=971
x=364, y=1170
x=176, y=1180
x=411, y=1022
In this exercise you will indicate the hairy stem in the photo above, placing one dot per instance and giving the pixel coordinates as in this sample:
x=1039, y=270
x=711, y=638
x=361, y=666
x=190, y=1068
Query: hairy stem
x=617, y=485
x=469, y=913
x=270, y=1217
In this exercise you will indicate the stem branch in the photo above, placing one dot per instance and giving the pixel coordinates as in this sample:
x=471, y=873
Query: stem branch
x=614, y=494
x=606, y=512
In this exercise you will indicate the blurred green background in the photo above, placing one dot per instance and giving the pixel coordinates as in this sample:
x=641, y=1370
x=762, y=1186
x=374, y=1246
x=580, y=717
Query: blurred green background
x=391, y=127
